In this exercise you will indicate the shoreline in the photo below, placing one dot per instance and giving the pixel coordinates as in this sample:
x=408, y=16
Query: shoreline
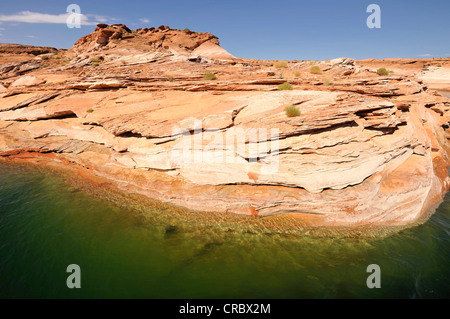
x=282, y=224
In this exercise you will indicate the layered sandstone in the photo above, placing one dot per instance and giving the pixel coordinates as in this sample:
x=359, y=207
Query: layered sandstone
x=365, y=150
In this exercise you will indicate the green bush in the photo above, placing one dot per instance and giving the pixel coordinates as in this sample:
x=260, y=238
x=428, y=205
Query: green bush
x=209, y=76
x=187, y=30
x=285, y=86
x=95, y=64
x=382, y=71
x=292, y=111
x=281, y=64
x=315, y=70
x=94, y=60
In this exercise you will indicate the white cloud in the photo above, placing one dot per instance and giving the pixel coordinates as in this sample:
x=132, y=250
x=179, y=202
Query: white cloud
x=144, y=20
x=31, y=36
x=425, y=55
x=100, y=18
x=36, y=17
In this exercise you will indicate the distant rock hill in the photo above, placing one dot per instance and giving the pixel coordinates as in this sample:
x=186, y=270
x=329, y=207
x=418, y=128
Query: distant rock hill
x=6, y=48
x=162, y=39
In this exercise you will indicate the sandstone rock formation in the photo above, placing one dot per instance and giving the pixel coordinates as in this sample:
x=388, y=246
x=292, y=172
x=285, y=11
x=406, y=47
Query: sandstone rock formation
x=365, y=150
x=119, y=37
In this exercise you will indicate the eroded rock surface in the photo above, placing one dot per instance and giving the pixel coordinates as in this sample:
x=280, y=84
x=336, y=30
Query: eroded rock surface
x=365, y=150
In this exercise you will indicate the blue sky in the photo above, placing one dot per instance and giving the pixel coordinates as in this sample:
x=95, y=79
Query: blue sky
x=291, y=30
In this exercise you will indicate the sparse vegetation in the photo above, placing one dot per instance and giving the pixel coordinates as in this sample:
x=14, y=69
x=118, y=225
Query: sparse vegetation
x=327, y=82
x=281, y=64
x=123, y=62
x=297, y=74
x=45, y=57
x=209, y=76
x=95, y=64
x=315, y=70
x=285, y=86
x=292, y=111
x=187, y=30
x=382, y=71
x=89, y=110
x=94, y=60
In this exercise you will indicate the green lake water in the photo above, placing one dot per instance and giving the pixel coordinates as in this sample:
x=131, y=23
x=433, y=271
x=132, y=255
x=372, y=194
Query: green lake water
x=47, y=224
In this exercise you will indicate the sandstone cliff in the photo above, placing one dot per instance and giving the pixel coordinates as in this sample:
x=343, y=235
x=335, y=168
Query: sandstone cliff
x=366, y=149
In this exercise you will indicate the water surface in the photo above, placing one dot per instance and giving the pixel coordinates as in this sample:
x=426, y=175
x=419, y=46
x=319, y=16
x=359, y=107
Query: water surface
x=47, y=224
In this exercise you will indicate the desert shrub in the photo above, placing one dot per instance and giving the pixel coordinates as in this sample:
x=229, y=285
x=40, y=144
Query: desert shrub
x=123, y=62
x=292, y=111
x=315, y=70
x=382, y=71
x=327, y=82
x=95, y=64
x=209, y=76
x=89, y=110
x=45, y=57
x=187, y=30
x=93, y=60
x=297, y=74
x=281, y=64
x=285, y=86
